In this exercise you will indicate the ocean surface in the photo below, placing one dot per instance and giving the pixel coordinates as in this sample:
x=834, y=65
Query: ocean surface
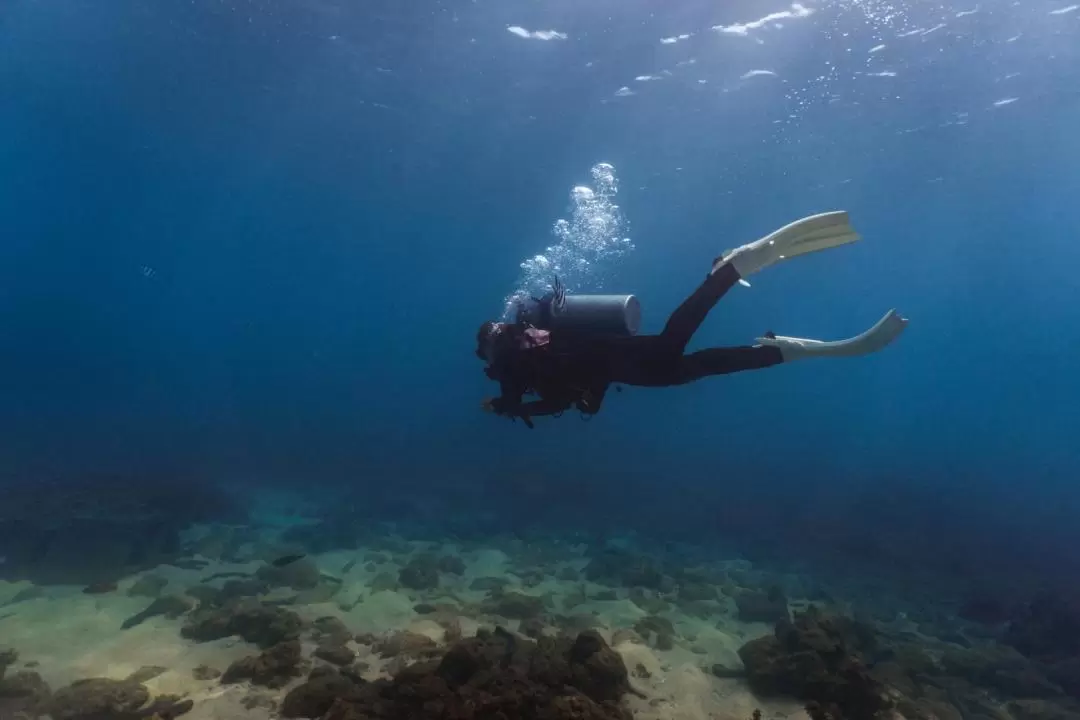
x=245, y=247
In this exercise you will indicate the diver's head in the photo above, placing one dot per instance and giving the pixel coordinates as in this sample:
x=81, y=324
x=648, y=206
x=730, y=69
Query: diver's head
x=486, y=338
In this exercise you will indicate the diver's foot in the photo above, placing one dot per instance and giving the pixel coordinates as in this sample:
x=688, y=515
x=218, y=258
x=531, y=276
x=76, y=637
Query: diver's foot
x=877, y=338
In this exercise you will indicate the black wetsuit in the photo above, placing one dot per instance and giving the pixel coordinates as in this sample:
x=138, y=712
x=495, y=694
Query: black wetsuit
x=575, y=371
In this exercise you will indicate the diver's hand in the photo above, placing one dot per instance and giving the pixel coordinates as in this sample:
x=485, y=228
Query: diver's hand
x=488, y=405
x=558, y=295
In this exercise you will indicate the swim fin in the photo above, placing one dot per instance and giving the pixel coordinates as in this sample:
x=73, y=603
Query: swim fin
x=876, y=338
x=810, y=234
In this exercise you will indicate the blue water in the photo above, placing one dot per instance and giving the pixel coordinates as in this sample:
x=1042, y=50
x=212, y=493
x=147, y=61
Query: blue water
x=251, y=242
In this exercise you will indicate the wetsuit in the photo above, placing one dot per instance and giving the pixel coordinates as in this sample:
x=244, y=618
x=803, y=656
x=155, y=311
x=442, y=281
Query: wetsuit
x=574, y=371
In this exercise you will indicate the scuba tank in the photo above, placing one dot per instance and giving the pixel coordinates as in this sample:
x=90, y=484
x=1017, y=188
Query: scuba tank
x=584, y=314
x=600, y=314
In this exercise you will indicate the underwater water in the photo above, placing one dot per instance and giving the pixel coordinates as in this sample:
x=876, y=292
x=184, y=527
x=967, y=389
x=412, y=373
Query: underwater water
x=245, y=247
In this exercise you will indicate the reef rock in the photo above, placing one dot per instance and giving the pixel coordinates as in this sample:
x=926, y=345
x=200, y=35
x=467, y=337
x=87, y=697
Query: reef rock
x=171, y=606
x=514, y=605
x=767, y=607
x=272, y=668
x=98, y=698
x=421, y=573
x=23, y=694
x=1046, y=629
x=263, y=625
x=302, y=574
x=818, y=658
x=492, y=676
x=149, y=585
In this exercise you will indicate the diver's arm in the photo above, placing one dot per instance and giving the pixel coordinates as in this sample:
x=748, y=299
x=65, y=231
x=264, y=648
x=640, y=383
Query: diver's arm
x=543, y=407
x=539, y=311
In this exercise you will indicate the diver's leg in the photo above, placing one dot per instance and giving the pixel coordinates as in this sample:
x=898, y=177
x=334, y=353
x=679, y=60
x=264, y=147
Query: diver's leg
x=724, y=361
x=688, y=317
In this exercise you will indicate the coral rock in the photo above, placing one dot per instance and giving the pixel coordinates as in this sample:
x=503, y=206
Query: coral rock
x=257, y=623
x=272, y=668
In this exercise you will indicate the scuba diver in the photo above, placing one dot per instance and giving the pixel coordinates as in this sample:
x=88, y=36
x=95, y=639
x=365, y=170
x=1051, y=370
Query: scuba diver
x=569, y=349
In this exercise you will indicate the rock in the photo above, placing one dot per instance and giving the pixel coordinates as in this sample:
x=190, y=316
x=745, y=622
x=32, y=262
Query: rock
x=98, y=699
x=1000, y=668
x=272, y=668
x=767, y=607
x=533, y=628
x=1047, y=629
x=1066, y=674
x=451, y=565
x=696, y=592
x=653, y=627
x=648, y=603
x=421, y=573
x=384, y=581
x=514, y=605
x=1041, y=710
x=985, y=610
x=623, y=635
x=23, y=694
x=324, y=592
x=100, y=588
x=927, y=709
x=27, y=593
x=722, y=671
x=205, y=672
x=452, y=629
x=7, y=658
x=171, y=606
x=209, y=596
x=616, y=567
x=166, y=707
x=569, y=574
x=147, y=672
x=148, y=585
x=302, y=574
x=404, y=642
x=331, y=629
x=315, y=697
x=336, y=654
x=586, y=664
x=817, y=658
x=915, y=660
x=489, y=584
x=255, y=622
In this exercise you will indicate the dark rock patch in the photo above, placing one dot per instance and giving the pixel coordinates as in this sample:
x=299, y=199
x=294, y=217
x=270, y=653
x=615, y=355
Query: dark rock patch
x=514, y=605
x=819, y=659
x=451, y=565
x=335, y=654
x=148, y=585
x=421, y=573
x=767, y=607
x=489, y=584
x=272, y=668
x=255, y=622
x=104, y=699
x=491, y=676
x=171, y=606
x=315, y=697
x=205, y=672
x=384, y=581
x=301, y=574
x=23, y=694
x=410, y=644
x=147, y=672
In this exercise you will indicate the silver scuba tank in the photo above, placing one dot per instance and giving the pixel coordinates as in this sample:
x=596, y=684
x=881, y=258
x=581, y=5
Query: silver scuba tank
x=604, y=314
